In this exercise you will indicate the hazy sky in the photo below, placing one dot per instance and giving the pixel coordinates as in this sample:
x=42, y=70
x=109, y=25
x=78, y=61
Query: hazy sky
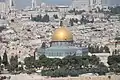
x=24, y=3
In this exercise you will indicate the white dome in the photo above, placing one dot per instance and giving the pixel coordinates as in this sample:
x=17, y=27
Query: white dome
x=43, y=4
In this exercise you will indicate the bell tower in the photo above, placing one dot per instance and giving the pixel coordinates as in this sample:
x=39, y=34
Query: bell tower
x=11, y=4
x=34, y=4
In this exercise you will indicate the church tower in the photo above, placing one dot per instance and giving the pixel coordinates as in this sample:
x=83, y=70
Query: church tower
x=34, y=4
x=2, y=5
x=11, y=4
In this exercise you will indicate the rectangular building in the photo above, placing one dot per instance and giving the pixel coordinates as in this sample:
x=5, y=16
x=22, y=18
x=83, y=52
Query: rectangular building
x=81, y=4
x=2, y=5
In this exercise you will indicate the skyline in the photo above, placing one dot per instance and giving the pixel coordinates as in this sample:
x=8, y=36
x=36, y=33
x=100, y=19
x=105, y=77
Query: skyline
x=24, y=3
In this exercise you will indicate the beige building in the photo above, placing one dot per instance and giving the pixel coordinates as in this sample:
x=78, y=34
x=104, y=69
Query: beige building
x=2, y=6
x=81, y=4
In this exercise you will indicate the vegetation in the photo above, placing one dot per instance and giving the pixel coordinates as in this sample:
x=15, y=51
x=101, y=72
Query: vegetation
x=5, y=59
x=72, y=21
x=29, y=62
x=61, y=23
x=115, y=10
x=76, y=12
x=117, y=38
x=84, y=20
x=55, y=16
x=39, y=18
x=45, y=18
x=70, y=65
x=98, y=49
x=11, y=66
x=13, y=60
x=115, y=52
x=114, y=62
x=0, y=61
x=0, y=64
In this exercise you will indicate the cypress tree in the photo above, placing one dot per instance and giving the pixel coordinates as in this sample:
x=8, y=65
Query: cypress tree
x=0, y=60
x=5, y=59
x=14, y=63
x=61, y=23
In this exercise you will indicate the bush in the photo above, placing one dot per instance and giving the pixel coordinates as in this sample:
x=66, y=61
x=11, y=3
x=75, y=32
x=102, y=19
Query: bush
x=47, y=73
x=74, y=73
x=55, y=73
x=62, y=72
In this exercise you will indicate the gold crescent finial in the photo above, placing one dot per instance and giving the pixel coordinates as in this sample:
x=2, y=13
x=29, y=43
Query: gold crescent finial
x=62, y=34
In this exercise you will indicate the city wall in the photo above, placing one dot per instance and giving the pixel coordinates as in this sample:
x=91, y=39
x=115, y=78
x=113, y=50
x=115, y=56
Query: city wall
x=88, y=78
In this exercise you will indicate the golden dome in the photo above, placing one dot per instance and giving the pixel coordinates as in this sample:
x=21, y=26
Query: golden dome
x=62, y=34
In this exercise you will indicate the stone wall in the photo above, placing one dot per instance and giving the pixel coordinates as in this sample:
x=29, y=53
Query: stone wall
x=87, y=78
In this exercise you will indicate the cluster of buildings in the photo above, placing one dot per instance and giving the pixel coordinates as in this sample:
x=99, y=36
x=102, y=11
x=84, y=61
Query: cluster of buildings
x=62, y=45
x=6, y=5
x=23, y=37
x=89, y=4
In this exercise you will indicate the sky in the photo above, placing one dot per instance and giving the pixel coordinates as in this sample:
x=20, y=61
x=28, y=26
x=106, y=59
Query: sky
x=24, y=3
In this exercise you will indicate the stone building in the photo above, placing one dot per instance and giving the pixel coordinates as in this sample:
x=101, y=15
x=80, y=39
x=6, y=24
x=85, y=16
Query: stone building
x=62, y=45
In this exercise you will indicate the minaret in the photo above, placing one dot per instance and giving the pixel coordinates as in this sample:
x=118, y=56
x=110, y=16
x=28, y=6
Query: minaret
x=11, y=4
x=33, y=4
x=2, y=5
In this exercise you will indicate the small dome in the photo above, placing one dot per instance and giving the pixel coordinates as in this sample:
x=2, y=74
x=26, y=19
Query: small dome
x=62, y=34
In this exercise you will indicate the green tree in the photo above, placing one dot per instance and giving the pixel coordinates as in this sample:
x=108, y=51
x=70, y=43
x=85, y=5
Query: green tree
x=45, y=18
x=114, y=62
x=0, y=60
x=55, y=16
x=13, y=63
x=5, y=59
x=61, y=23
x=115, y=10
x=85, y=63
x=101, y=50
x=76, y=20
x=0, y=65
x=83, y=20
x=90, y=48
x=115, y=68
x=106, y=49
x=71, y=22
x=102, y=69
x=97, y=49
x=74, y=73
x=71, y=65
x=94, y=60
x=29, y=62
x=20, y=68
x=55, y=63
x=44, y=61
x=43, y=45
x=114, y=59
x=38, y=18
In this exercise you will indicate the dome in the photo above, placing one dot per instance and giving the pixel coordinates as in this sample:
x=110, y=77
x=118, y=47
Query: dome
x=62, y=34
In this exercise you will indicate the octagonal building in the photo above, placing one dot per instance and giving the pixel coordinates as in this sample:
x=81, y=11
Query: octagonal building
x=62, y=45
